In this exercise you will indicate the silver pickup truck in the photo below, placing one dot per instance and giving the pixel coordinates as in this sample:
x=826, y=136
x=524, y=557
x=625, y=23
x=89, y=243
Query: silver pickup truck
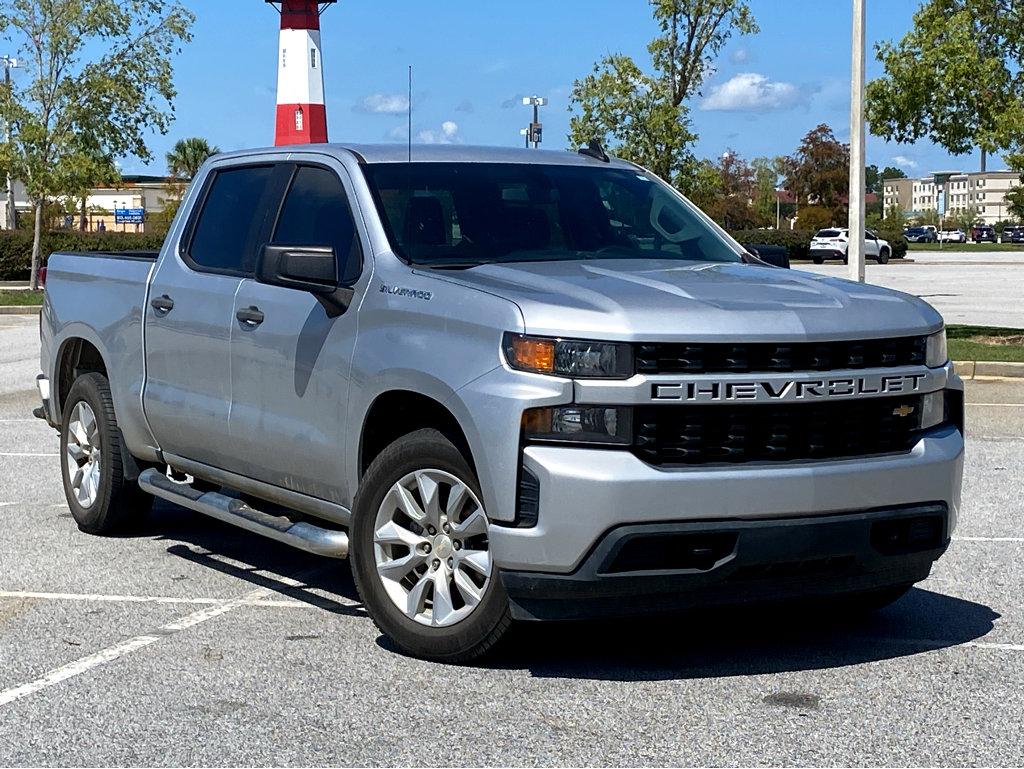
x=511, y=384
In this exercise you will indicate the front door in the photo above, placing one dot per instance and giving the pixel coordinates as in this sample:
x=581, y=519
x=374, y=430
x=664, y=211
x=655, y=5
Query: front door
x=290, y=362
x=190, y=314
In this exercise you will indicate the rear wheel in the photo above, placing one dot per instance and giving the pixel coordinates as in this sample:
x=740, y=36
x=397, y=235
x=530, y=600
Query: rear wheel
x=420, y=553
x=101, y=500
x=817, y=259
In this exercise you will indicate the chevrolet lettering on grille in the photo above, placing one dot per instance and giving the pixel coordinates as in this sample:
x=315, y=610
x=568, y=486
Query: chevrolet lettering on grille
x=786, y=390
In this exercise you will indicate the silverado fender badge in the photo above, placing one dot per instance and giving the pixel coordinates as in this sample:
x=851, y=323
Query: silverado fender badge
x=401, y=291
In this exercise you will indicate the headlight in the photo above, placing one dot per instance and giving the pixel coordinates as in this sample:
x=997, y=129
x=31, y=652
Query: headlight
x=935, y=350
x=568, y=357
x=579, y=424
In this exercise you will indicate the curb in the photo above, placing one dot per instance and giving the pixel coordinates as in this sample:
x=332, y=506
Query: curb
x=32, y=309
x=970, y=369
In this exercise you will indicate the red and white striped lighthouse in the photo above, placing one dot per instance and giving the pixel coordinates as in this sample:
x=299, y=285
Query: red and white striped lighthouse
x=301, y=115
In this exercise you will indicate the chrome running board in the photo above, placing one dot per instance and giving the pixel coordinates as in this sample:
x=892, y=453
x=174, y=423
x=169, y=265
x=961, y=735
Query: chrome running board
x=302, y=535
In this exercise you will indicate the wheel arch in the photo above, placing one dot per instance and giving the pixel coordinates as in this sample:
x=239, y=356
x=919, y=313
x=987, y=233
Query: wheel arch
x=76, y=356
x=398, y=412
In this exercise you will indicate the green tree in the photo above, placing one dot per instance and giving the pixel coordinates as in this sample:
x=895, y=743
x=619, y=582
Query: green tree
x=183, y=163
x=872, y=177
x=1015, y=202
x=895, y=218
x=766, y=181
x=962, y=218
x=954, y=78
x=187, y=155
x=891, y=172
x=641, y=114
x=818, y=172
x=98, y=79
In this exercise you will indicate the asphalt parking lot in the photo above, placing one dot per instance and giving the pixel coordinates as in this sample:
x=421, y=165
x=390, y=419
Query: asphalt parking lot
x=977, y=287
x=191, y=642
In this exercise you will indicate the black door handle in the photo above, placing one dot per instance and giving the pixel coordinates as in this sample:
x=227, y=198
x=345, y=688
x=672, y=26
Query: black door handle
x=250, y=316
x=163, y=304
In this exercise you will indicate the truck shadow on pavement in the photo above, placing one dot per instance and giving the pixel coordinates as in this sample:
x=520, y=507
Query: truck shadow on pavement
x=740, y=642
x=698, y=644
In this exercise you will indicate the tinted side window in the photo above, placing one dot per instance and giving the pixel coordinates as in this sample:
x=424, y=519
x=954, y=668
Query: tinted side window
x=316, y=213
x=221, y=238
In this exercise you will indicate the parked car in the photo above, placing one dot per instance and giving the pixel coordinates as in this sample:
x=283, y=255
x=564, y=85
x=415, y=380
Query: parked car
x=919, y=235
x=834, y=243
x=952, y=236
x=1013, y=234
x=982, y=233
x=510, y=385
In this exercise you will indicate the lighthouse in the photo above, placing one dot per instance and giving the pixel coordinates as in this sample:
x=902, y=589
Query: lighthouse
x=301, y=115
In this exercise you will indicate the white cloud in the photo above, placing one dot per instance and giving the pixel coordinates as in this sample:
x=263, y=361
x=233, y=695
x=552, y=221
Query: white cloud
x=753, y=92
x=904, y=162
x=384, y=104
x=447, y=134
x=740, y=56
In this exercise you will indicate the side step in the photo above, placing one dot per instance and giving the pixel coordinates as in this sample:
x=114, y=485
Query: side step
x=304, y=536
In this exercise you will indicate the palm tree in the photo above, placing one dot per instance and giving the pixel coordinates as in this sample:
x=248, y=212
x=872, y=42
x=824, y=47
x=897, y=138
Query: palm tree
x=187, y=155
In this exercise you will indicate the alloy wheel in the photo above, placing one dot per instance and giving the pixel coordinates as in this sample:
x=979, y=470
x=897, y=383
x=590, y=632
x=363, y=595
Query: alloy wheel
x=84, y=454
x=431, y=549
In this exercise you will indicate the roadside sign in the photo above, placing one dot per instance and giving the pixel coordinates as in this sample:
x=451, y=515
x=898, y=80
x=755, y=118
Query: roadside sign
x=129, y=215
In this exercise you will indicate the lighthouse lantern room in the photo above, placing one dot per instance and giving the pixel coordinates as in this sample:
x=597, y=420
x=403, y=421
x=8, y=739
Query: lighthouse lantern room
x=301, y=115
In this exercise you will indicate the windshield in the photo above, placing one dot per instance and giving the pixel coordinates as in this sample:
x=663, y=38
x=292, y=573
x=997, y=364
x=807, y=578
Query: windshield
x=464, y=214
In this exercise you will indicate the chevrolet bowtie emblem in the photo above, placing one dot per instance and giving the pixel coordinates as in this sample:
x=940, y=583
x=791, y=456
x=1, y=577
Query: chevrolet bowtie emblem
x=903, y=411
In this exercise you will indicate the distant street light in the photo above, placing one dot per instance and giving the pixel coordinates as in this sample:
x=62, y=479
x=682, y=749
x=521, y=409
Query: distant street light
x=535, y=131
x=856, y=248
x=12, y=212
x=778, y=208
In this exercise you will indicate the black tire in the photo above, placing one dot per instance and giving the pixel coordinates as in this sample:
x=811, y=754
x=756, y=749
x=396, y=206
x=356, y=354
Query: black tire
x=883, y=256
x=463, y=641
x=818, y=259
x=846, y=258
x=117, y=500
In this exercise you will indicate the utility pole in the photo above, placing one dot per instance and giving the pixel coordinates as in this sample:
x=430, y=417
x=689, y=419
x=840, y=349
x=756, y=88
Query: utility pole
x=12, y=212
x=536, y=128
x=856, y=248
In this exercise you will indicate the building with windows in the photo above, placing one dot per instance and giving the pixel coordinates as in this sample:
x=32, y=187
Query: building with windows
x=984, y=191
x=149, y=193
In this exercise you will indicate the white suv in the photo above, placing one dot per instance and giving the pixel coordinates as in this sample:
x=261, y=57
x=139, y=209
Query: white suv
x=952, y=236
x=833, y=244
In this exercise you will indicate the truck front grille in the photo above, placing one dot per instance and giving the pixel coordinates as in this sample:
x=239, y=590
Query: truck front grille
x=709, y=358
x=703, y=434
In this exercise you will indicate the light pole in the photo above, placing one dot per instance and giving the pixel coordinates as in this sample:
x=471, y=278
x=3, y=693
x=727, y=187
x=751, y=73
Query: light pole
x=856, y=248
x=536, y=128
x=525, y=132
x=12, y=212
x=778, y=208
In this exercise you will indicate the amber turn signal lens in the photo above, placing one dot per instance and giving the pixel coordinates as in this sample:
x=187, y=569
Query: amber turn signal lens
x=533, y=354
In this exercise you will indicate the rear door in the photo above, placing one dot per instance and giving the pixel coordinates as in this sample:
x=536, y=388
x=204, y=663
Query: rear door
x=190, y=315
x=290, y=370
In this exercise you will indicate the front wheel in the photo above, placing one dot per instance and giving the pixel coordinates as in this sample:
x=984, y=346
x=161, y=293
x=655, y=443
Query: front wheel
x=101, y=499
x=420, y=553
x=883, y=256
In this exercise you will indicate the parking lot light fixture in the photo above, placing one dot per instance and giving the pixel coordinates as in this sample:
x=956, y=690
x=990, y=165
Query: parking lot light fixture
x=536, y=128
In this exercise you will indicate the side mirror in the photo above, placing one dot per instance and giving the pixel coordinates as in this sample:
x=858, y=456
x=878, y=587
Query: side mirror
x=776, y=256
x=313, y=269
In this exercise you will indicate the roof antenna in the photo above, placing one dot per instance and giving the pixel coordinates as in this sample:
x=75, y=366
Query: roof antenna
x=410, y=113
x=595, y=150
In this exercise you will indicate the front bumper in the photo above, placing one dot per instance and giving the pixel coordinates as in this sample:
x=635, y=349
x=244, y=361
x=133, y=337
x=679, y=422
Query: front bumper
x=673, y=566
x=587, y=492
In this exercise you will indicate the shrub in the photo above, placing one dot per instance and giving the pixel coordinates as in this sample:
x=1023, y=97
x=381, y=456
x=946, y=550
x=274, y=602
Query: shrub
x=797, y=242
x=16, y=247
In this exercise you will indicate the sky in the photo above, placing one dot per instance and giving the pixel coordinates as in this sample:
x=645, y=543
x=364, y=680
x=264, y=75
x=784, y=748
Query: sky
x=474, y=60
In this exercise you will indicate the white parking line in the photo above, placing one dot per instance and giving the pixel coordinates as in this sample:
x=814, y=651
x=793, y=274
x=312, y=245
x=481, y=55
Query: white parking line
x=160, y=599
x=988, y=539
x=111, y=653
x=1005, y=405
x=26, y=454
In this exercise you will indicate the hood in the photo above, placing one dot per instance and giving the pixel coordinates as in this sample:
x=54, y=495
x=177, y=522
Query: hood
x=663, y=300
